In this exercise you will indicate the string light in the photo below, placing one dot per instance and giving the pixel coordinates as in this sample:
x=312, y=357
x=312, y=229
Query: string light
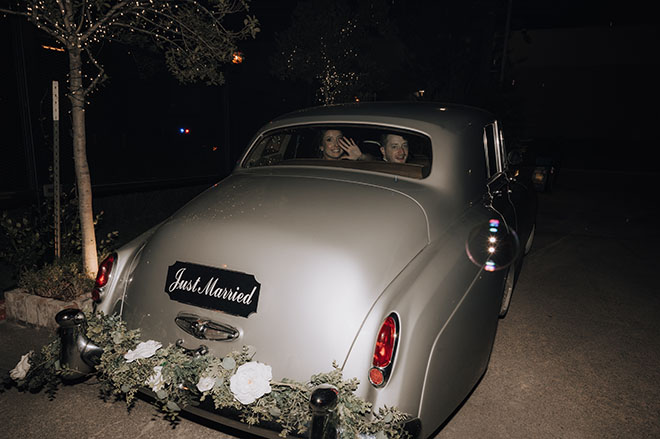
x=174, y=26
x=56, y=49
x=336, y=76
x=237, y=57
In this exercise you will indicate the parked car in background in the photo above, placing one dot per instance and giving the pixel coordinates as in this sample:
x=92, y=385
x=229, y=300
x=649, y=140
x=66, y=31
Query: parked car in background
x=544, y=174
x=383, y=261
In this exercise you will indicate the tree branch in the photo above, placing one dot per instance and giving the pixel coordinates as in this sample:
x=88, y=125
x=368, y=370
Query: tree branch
x=83, y=13
x=111, y=13
x=100, y=76
x=67, y=15
x=12, y=12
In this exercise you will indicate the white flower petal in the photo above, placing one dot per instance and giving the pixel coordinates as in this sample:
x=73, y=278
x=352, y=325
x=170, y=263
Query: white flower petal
x=205, y=384
x=251, y=381
x=145, y=349
x=22, y=368
x=156, y=381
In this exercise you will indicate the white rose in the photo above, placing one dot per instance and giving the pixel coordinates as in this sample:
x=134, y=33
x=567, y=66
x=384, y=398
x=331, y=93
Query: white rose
x=22, y=368
x=145, y=349
x=251, y=381
x=156, y=381
x=205, y=384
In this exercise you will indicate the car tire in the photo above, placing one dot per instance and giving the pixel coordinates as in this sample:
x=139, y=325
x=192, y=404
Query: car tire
x=509, y=282
x=530, y=239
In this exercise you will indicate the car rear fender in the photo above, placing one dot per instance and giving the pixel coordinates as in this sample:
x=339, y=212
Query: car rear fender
x=448, y=312
x=127, y=258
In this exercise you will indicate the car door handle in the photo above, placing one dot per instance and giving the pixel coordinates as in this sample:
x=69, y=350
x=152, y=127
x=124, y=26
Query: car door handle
x=205, y=329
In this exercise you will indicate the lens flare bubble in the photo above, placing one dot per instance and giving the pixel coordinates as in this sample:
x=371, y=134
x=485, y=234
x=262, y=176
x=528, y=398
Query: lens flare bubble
x=491, y=246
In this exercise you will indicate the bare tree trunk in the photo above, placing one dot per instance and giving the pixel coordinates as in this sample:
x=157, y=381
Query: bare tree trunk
x=83, y=181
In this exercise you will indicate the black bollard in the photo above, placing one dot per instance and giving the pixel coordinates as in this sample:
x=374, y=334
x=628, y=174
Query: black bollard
x=323, y=401
x=78, y=355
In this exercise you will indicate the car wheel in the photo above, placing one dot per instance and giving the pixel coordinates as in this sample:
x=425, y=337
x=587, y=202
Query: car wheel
x=508, y=291
x=530, y=240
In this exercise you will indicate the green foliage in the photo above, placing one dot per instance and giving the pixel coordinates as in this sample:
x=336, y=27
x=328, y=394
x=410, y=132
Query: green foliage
x=23, y=243
x=211, y=47
x=27, y=238
x=44, y=370
x=60, y=280
x=287, y=404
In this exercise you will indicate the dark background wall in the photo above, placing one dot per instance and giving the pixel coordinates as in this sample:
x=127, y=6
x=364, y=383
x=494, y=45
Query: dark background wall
x=580, y=85
x=589, y=94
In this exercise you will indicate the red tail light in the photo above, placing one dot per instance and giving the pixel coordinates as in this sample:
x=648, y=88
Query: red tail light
x=102, y=276
x=386, y=344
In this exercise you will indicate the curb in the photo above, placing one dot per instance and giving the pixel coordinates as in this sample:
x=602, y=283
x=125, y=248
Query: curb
x=38, y=311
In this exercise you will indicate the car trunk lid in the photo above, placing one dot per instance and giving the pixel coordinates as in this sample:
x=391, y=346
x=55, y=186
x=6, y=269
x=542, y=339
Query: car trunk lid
x=318, y=251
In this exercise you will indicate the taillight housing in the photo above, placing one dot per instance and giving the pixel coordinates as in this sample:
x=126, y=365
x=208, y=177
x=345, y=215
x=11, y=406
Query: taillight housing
x=102, y=276
x=387, y=341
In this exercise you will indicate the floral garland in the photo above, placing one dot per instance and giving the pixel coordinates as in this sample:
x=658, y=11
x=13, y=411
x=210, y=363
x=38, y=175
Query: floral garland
x=234, y=382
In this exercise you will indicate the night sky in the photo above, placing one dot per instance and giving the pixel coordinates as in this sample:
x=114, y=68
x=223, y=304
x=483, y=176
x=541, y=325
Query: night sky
x=583, y=79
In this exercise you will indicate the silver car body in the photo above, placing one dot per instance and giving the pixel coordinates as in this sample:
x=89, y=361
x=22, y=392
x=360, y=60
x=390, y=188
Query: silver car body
x=338, y=249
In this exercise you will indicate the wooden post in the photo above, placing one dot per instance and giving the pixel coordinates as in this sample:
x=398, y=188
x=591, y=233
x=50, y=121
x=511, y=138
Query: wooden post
x=56, y=167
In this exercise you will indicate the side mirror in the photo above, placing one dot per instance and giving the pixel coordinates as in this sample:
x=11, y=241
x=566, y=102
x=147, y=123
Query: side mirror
x=492, y=246
x=514, y=157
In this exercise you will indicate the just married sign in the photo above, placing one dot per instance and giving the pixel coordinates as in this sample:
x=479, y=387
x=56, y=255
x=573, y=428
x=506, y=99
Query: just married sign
x=213, y=288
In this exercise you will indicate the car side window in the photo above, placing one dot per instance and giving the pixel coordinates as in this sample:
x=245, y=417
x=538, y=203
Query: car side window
x=490, y=150
x=503, y=156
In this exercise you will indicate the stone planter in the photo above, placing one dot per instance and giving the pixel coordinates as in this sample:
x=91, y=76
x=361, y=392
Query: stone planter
x=39, y=311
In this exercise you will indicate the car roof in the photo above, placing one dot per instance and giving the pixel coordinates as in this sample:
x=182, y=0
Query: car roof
x=456, y=133
x=412, y=114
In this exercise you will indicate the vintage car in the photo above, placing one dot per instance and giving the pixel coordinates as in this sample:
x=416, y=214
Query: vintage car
x=385, y=266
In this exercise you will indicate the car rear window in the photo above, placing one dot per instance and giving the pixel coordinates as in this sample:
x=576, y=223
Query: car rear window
x=372, y=148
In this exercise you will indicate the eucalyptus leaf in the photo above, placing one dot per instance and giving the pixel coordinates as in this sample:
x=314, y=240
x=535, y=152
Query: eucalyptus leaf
x=171, y=405
x=117, y=337
x=228, y=363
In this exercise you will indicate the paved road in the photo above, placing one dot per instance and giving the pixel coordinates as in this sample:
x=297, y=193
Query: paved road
x=577, y=356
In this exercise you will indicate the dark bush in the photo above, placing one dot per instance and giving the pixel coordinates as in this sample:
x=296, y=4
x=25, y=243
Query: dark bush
x=61, y=280
x=27, y=237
